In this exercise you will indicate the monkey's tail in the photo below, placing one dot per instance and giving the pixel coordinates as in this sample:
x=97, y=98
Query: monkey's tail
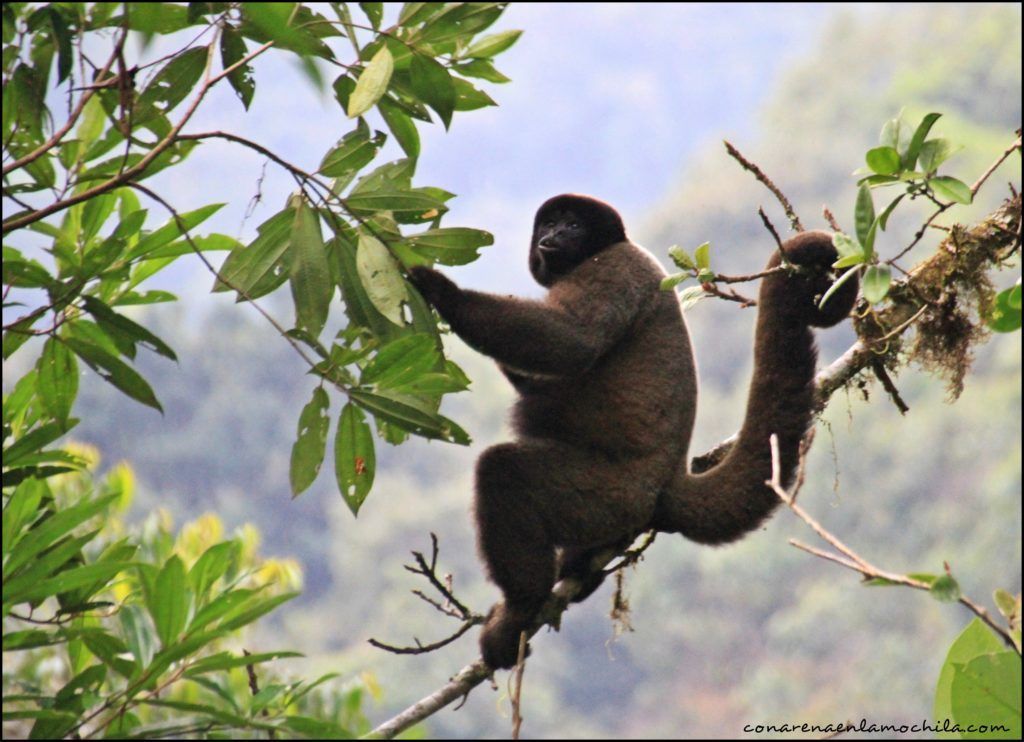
x=731, y=499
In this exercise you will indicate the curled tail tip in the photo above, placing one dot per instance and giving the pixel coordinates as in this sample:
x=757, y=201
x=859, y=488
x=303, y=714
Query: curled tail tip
x=815, y=253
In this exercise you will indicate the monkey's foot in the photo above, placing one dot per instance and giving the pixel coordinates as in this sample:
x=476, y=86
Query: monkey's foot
x=499, y=640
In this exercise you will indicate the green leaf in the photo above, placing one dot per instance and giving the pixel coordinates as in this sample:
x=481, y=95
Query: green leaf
x=261, y=263
x=974, y=641
x=308, y=450
x=226, y=661
x=232, y=50
x=876, y=282
x=379, y=275
x=114, y=323
x=945, y=589
x=50, y=530
x=95, y=213
x=482, y=68
x=934, y=152
x=310, y=275
x=668, y=283
x=172, y=230
x=171, y=85
x=702, y=256
x=374, y=12
x=468, y=97
x=883, y=218
x=57, y=380
x=494, y=44
x=19, y=510
x=115, y=372
x=681, y=258
x=883, y=160
x=16, y=588
x=917, y=141
x=410, y=202
x=433, y=85
x=354, y=457
x=238, y=619
x=835, y=286
x=987, y=691
x=63, y=582
x=401, y=125
x=1004, y=316
x=169, y=601
x=404, y=413
x=372, y=83
x=138, y=633
x=864, y=216
x=211, y=566
x=850, y=260
x=401, y=360
x=890, y=134
x=355, y=150
x=450, y=245
x=950, y=188
x=846, y=246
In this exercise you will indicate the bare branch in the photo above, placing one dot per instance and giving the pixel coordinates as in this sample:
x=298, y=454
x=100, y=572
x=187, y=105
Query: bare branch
x=424, y=648
x=794, y=220
x=855, y=562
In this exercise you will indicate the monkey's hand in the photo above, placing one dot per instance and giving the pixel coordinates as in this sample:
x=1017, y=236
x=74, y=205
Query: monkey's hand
x=439, y=291
x=800, y=294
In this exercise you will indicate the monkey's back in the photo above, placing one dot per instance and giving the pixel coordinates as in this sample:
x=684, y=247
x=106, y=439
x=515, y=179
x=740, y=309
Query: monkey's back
x=637, y=400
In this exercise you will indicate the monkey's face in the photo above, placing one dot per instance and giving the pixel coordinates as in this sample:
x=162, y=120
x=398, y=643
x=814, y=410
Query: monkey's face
x=567, y=230
x=558, y=245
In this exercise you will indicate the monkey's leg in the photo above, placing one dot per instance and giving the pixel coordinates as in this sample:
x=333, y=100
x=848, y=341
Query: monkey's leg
x=533, y=495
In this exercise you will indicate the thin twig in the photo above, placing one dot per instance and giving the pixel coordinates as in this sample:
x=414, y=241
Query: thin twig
x=794, y=220
x=421, y=648
x=857, y=563
x=831, y=219
x=769, y=226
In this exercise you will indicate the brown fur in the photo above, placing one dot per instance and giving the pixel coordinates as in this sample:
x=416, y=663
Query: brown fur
x=608, y=394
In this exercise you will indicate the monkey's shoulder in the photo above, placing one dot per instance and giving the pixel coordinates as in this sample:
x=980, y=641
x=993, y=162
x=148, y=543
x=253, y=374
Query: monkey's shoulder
x=622, y=269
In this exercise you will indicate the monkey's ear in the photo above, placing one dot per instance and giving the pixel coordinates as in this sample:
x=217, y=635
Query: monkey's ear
x=435, y=287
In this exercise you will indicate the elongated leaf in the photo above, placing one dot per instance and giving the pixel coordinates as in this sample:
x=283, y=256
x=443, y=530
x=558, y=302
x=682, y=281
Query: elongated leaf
x=65, y=581
x=237, y=620
x=114, y=371
x=864, y=215
x=112, y=322
x=401, y=125
x=52, y=529
x=395, y=201
x=355, y=150
x=401, y=360
x=702, y=256
x=380, y=278
x=228, y=662
x=876, y=282
x=407, y=416
x=172, y=83
x=883, y=218
x=835, y=286
x=172, y=230
x=308, y=450
x=494, y=44
x=917, y=141
x=250, y=266
x=57, y=380
x=169, y=600
x=372, y=83
x=433, y=85
x=950, y=188
x=310, y=275
x=450, y=245
x=212, y=565
x=44, y=566
x=232, y=50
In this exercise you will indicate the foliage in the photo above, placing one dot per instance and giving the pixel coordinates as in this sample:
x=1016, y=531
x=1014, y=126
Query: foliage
x=134, y=631
x=84, y=245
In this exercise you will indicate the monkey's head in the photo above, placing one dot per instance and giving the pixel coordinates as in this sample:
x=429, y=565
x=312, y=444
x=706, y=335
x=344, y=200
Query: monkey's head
x=567, y=230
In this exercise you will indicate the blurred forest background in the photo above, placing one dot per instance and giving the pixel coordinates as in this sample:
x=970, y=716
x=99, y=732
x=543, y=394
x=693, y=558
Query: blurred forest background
x=629, y=103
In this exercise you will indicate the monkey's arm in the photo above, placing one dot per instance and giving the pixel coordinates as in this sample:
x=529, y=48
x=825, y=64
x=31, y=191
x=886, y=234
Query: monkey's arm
x=531, y=336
